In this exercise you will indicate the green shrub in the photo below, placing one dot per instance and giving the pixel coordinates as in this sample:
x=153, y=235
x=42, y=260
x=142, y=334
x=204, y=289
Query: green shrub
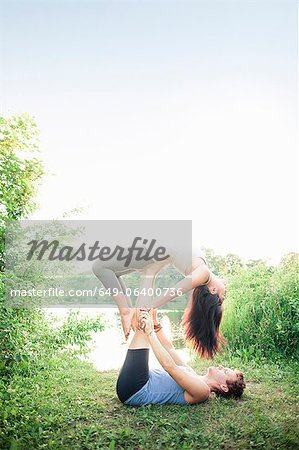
x=27, y=336
x=261, y=314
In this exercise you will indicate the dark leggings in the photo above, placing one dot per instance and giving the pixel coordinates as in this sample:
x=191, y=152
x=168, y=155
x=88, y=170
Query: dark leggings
x=134, y=373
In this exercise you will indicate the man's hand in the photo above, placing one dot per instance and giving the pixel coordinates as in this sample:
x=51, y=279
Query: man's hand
x=155, y=317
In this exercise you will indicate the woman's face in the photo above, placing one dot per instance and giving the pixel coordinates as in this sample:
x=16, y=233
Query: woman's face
x=222, y=374
x=218, y=287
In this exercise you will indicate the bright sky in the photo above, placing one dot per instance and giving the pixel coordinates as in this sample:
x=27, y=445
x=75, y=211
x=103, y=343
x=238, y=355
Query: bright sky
x=163, y=110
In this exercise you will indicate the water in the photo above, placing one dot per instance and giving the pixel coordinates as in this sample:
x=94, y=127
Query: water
x=108, y=348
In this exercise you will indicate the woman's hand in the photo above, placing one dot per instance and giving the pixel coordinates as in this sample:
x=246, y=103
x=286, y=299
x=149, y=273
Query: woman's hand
x=146, y=322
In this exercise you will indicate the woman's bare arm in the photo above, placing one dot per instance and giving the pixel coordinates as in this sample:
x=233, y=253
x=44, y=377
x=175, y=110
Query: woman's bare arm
x=199, y=275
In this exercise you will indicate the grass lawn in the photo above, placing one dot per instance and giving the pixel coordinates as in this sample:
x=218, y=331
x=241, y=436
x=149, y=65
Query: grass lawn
x=69, y=405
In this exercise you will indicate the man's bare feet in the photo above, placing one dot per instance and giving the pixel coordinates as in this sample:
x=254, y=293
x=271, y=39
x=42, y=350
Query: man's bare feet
x=126, y=316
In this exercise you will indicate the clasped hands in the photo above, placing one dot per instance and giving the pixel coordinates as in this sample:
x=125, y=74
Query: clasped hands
x=145, y=321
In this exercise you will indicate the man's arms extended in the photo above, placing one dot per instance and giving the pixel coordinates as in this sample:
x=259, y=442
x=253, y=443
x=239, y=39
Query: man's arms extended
x=196, y=390
x=167, y=343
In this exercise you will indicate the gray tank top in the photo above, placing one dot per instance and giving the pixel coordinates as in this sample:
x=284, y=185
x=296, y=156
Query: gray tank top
x=159, y=389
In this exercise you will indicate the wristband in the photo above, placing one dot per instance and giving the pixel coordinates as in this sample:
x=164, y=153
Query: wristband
x=151, y=332
x=157, y=327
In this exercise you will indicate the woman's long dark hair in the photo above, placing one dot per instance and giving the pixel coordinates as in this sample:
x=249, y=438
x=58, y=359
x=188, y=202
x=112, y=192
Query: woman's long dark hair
x=201, y=322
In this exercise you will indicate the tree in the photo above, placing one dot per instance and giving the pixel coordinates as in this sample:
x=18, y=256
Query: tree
x=20, y=171
x=233, y=263
x=216, y=263
x=25, y=334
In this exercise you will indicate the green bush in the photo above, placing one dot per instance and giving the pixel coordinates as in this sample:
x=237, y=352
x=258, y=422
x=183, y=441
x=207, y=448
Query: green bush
x=28, y=338
x=261, y=317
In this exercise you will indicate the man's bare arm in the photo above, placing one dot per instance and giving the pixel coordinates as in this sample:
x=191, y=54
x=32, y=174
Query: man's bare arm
x=196, y=390
x=166, y=341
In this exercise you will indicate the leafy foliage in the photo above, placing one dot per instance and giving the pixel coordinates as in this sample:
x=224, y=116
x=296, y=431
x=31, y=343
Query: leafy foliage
x=262, y=310
x=26, y=336
x=20, y=170
x=223, y=265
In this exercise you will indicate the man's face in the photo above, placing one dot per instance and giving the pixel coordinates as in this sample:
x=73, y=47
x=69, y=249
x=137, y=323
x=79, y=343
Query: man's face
x=222, y=374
